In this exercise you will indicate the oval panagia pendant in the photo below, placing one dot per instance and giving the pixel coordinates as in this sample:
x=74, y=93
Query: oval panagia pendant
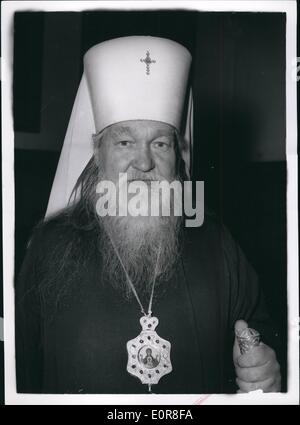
x=149, y=354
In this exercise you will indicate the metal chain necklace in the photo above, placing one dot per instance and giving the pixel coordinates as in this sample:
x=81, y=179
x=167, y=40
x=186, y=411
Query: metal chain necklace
x=148, y=353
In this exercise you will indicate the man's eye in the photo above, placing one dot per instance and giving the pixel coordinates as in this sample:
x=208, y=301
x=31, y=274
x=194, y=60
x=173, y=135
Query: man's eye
x=124, y=143
x=163, y=146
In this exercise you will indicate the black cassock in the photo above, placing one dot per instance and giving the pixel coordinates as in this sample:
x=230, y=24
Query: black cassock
x=79, y=345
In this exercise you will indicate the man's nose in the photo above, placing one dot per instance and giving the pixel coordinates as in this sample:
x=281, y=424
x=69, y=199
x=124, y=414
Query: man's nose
x=143, y=160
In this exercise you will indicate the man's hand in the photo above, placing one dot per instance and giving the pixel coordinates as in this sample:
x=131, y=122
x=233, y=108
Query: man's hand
x=256, y=369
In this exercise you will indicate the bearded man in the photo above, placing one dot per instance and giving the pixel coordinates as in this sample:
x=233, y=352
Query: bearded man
x=90, y=281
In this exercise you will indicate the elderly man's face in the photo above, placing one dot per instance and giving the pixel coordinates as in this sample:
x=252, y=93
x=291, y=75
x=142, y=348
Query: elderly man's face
x=142, y=149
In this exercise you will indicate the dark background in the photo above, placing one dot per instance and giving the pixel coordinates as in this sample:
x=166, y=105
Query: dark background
x=239, y=101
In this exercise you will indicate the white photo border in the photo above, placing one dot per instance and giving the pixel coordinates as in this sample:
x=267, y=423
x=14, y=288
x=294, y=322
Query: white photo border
x=11, y=396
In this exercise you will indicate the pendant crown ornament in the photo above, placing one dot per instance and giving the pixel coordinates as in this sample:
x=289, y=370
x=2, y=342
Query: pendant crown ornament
x=148, y=323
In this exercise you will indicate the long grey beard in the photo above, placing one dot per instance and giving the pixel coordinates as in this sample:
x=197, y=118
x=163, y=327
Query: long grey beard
x=148, y=248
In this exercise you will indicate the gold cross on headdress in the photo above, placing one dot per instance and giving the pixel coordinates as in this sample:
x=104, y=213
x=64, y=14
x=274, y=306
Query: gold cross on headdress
x=148, y=61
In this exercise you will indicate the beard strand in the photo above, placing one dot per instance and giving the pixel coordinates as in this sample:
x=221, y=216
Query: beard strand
x=148, y=251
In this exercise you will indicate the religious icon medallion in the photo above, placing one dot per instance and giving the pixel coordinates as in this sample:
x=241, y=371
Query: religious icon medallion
x=149, y=354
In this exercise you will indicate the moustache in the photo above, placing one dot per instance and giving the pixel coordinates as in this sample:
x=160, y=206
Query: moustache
x=131, y=177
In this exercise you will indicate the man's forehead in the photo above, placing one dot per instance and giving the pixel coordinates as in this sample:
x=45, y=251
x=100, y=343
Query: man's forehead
x=141, y=127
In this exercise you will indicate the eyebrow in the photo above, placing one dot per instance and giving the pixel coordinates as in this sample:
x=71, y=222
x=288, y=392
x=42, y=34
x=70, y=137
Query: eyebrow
x=164, y=133
x=119, y=131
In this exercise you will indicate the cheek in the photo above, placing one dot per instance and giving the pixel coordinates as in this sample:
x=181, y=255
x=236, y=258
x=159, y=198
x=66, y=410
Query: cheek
x=115, y=163
x=167, y=166
x=109, y=159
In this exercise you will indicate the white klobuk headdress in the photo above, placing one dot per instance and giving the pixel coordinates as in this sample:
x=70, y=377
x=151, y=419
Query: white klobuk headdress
x=128, y=78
